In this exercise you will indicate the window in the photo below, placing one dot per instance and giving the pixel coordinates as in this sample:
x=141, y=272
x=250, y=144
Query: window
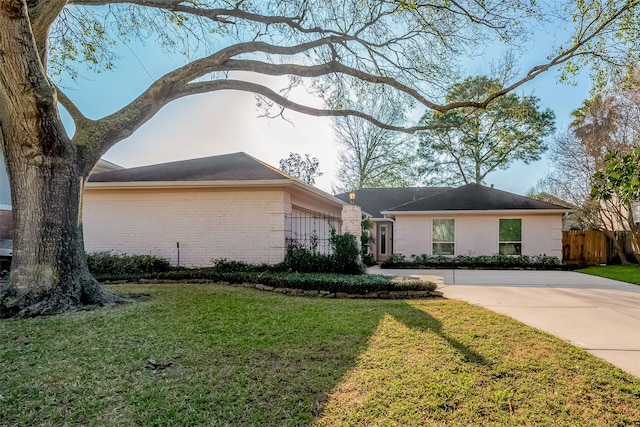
x=444, y=236
x=510, y=236
x=383, y=240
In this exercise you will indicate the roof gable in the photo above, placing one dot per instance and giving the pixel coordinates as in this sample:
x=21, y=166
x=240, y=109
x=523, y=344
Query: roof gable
x=228, y=167
x=474, y=197
x=376, y=200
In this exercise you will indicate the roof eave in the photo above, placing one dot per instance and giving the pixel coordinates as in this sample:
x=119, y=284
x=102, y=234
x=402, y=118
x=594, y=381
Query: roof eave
x=184, y=184
x=482, y=211
x=141, y=185
x=316, y=191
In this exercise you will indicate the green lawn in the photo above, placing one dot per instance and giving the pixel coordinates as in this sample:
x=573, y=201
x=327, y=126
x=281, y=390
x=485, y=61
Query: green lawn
x=241, y=357
x=625, y=273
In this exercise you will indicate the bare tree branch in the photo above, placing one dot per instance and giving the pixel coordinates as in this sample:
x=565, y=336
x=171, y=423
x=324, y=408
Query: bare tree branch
x=76, y=115
x=104, y=133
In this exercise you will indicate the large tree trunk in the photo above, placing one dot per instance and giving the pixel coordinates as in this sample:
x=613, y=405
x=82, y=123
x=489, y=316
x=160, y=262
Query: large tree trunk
x=46, y=170
x=49, y=272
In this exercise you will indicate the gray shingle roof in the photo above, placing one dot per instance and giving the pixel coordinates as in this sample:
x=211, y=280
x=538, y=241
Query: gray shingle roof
x=375, y=200
x=473, y=197
x=228, y=167
x=466, y=198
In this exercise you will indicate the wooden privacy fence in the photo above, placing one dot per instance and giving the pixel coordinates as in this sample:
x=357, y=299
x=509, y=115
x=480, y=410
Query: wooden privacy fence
x=584, y=247
x=590, y=247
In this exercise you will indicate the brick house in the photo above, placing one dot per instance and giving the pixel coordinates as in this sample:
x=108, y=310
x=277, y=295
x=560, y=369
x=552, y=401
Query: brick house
x=469, y=220
x=194, y=211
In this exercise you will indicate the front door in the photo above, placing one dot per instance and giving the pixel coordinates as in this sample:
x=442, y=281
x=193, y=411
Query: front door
x=384, y=240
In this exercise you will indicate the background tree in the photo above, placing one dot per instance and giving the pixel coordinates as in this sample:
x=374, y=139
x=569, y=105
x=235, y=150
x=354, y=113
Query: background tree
x=617, y=186
x=330, y=44
x=371, y=156
x=304, y=169
x=578, y=157
x=465, y=145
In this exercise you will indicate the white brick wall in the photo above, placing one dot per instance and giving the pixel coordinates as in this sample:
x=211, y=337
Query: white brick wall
x=237, y=224
x=478, y=234
x=352, y=221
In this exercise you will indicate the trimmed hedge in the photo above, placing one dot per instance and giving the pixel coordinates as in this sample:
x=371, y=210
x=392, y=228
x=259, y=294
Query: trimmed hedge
x=110, y=263
x=498, y=262
x=358, y=284
x=238, y=272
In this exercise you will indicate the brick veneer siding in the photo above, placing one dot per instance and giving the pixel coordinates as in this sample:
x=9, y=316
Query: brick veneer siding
x=477, y=234
x=352, y=221
x=6, y=224
x=244, y=225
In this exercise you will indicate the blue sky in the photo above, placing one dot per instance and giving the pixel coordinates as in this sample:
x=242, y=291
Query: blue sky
x=226, y=122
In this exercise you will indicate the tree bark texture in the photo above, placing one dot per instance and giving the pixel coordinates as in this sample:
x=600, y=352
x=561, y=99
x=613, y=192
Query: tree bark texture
x=49, y=272
x=46, y=171
x=617, y=246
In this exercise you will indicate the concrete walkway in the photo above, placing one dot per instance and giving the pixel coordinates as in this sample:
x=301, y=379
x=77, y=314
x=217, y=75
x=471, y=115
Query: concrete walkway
x=597, y=314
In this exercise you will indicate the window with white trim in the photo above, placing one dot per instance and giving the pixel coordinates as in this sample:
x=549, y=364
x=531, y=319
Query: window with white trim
x=510, y=236
x=443, y=236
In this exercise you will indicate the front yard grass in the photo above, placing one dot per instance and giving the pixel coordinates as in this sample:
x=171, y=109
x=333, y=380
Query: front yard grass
x=221, y=355
x=624, y=273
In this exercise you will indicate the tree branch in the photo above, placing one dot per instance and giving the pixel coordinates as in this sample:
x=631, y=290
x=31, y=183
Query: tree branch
x=181, y=82
x=332, y=67
x=562, y=57
x=76, y=115
x=221, y=15
x=202, y=87
x=42, y=13
x=27, y=96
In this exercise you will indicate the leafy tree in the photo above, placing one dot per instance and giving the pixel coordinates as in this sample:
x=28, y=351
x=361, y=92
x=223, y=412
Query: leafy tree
x=605, y=123
x=617, y=186
x=328, y=45
x=371, y=156
x=620, y=178
x=466, y=144
x=304, y=169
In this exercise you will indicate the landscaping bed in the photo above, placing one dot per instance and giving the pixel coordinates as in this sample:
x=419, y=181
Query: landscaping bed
x=110, y=268
x=308, y=284
x=493, y=262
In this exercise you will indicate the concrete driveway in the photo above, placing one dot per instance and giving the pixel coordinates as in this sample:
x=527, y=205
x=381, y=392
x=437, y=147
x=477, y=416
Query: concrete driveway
x=597, y=314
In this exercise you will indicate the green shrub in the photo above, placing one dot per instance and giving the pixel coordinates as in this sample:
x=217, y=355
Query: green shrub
x=346, y=254
x=359, y=284
x=344, y=258
x=353, y=284
x=303, y=260
x=109, y=263
x=109, y=266
x=368, y=260
x=224, y=265
x=394, y=261
x=542, y=262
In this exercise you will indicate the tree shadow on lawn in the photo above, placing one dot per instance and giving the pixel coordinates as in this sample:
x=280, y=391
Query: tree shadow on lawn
x=236, y=357
x=300, y=368
x=409, y=360
x=419, y=320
